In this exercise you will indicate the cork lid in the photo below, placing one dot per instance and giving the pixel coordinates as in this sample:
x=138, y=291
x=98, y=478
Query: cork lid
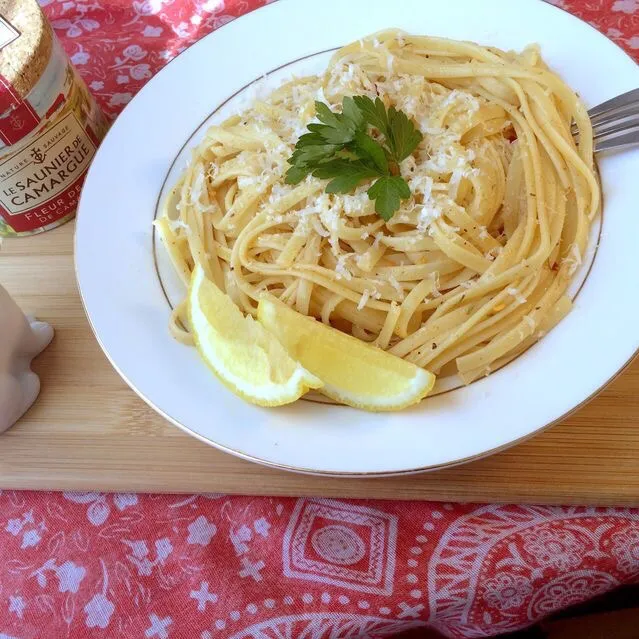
x=25, y=57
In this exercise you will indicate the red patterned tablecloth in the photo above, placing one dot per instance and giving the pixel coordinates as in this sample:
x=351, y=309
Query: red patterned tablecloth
x=206, y=566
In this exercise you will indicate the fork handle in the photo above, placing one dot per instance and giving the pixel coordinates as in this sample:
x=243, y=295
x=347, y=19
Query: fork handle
x=618, y=142
x=622, y=100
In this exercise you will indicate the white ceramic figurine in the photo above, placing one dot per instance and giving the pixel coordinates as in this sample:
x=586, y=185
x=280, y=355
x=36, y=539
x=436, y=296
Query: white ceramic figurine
x=21, y=339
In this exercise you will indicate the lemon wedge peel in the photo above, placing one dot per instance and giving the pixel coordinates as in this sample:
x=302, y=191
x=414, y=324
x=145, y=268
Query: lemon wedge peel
x=242, y=354
x=354, y=372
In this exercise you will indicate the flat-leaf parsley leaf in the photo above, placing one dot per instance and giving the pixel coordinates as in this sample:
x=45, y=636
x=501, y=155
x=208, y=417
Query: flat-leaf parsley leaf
x=339, y=148
x=387, y=193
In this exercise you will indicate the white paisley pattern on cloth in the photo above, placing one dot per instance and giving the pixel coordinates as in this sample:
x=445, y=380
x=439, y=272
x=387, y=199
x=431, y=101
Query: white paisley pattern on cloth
x=569, y=589
x=506, y=591
x=322, y=626
x=625, y=547
x=500, y=568
x=559, y=549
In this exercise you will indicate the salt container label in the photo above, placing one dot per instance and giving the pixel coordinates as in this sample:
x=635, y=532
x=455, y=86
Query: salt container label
x=41, y=182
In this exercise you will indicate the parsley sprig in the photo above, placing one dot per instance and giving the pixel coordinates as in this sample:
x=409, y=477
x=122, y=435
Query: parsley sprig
x=339, y=148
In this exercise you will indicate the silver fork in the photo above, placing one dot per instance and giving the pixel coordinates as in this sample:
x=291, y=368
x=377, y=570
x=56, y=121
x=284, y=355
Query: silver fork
x=615, y=123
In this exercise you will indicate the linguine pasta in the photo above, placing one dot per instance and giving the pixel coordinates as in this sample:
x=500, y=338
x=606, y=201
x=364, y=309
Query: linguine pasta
x=469, y=272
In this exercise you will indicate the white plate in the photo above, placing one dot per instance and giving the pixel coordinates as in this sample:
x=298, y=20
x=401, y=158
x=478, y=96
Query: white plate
x=123, y=294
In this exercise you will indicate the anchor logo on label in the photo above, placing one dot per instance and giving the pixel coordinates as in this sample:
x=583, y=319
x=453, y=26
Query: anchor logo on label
x=38, y=157
x=16, y=122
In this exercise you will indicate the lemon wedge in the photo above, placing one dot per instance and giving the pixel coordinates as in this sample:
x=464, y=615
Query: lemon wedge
x=246, y=358
x=353, y=372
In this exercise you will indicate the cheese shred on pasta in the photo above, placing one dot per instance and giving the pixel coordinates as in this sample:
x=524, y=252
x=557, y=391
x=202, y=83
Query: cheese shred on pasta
x=469, y=272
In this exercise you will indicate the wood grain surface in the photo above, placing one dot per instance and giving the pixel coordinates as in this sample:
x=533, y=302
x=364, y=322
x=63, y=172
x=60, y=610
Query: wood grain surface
x=89, y=431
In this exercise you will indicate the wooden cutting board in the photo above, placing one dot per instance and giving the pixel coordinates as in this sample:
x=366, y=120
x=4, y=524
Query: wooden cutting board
x=89, y=431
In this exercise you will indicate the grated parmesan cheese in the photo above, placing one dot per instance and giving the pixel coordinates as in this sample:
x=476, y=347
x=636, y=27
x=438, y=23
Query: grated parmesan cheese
x=278, y=192
x=396, y=285
x=436, y=284
x=319, y=228
x=363, y=300
x=455, y=180
x=320, y=96
x=422, y=184
x=245, y=181
x=174, y=225
x=514, y=292
x=356, y=203
x=341, y=269
x=426, y=216
x=573, y=259
x=196, y=188
x=389, y=62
